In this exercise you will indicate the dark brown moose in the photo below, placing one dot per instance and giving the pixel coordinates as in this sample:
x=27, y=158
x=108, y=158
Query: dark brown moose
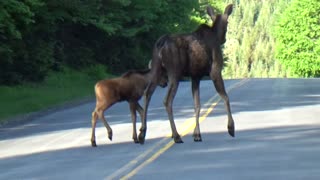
x=195, y=55
x=129, y=87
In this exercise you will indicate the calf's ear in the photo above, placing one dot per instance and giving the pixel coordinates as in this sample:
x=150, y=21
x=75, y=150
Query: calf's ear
x=228, y=9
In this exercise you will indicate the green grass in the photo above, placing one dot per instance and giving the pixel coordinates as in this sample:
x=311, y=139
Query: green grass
x=57, y=89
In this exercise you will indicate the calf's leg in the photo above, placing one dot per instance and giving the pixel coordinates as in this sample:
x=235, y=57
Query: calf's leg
x=140, y=110
x=100, y=108
x=93, y=123
x=133, y=108
x=100, y=113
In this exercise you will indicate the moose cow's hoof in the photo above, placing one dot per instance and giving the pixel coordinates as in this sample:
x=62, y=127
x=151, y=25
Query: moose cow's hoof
x=110, y=135
x=93, y=144
x=197, y=138
x=141, y=140
x=177, y=139
x=135, y=140
x=142, y=137
x=231, y=130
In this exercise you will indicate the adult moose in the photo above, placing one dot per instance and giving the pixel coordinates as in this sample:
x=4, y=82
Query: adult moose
x=195, y=55
x=129, y=87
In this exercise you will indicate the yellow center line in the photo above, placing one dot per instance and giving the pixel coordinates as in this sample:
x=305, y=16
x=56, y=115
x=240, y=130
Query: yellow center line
x=171, y=143
x=188, y=126
x=136, y=160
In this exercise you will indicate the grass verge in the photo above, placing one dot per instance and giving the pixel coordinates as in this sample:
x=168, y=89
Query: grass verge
x=57, y=89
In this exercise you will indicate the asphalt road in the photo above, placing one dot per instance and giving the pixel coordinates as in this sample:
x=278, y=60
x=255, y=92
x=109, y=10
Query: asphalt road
x=277, y=137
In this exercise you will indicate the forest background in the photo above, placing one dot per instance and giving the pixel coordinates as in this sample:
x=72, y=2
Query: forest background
x=53, y=51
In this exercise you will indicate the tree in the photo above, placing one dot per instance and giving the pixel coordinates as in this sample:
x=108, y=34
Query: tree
x=249, y=50
x=298, y=38
x=15, y=18
x=38, y=36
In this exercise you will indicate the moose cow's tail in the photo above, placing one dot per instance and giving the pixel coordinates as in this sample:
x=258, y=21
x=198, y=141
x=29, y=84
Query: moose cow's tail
x=156, y=64
x=161, y=42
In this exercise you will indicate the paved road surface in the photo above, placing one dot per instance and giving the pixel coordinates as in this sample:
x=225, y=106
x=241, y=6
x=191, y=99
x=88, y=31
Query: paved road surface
x=277, y=137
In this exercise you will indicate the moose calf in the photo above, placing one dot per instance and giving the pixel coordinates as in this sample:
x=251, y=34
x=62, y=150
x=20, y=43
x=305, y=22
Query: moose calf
x=129, y=87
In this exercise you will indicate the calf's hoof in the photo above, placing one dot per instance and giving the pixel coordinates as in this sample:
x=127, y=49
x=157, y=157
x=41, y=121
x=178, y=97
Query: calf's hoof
x=197, y=138
x=177, y=139
x=231, y=130
x=93, y=144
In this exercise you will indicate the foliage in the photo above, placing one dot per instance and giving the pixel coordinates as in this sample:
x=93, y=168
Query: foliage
x=298, y=38
x=38, y=36
x=249, y=49
x=96, y=72
x=57, y=88
x=41, y=36
x=15, y=18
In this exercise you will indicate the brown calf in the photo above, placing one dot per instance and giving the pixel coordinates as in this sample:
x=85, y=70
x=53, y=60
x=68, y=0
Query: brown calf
x=129, y=87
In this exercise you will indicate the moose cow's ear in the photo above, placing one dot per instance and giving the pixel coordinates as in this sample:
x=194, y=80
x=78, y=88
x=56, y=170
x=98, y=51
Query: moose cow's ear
x=228, y=9
x=211, y=13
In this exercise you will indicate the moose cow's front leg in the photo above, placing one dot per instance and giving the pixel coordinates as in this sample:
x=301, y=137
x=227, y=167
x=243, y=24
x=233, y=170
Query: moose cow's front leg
x=219, y=85
x=147, y=96
x=196, y=99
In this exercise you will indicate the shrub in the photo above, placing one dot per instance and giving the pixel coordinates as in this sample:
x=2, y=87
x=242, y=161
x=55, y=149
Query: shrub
x=298, y=38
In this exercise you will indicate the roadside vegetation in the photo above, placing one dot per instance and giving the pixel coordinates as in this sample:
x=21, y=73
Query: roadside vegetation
x=53, y=51
x=57, y=89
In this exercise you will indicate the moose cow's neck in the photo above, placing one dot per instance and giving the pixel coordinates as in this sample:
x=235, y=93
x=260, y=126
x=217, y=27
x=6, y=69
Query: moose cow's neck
x=207, y=35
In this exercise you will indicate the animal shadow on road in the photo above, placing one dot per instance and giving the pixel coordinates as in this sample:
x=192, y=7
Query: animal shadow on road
x=289, y=152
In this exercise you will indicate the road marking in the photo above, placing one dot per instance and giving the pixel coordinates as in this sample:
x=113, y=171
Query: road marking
x=168, y=145
x=137, y=160
x=187, y=126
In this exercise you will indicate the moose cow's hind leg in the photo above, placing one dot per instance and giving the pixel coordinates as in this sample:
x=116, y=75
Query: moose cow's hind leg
x=173, y=87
